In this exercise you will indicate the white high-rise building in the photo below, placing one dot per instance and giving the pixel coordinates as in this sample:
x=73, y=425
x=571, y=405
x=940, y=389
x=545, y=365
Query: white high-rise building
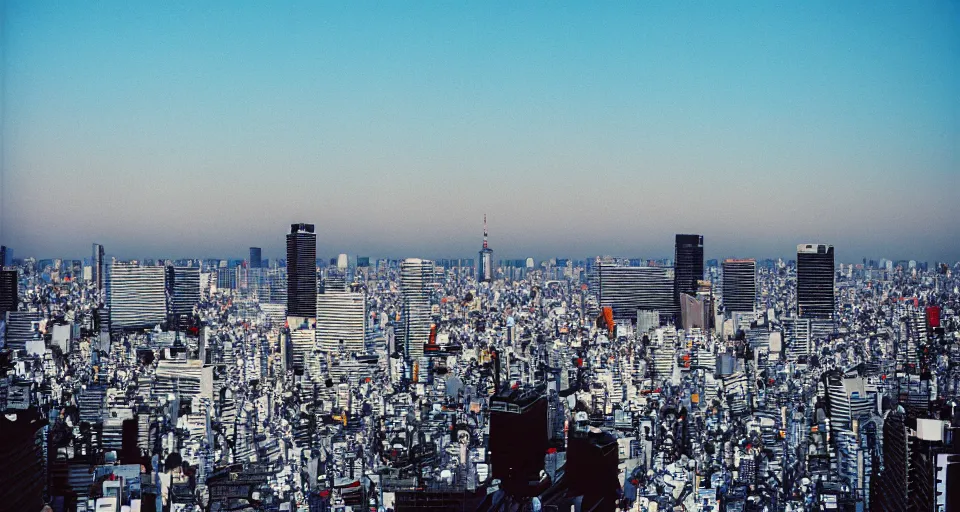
x=796, y=335
x=138, y=297
x=341, y=316
x=416, y=281
x=303, y=343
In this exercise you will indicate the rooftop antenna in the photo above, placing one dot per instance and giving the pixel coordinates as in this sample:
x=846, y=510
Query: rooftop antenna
x=484, y=230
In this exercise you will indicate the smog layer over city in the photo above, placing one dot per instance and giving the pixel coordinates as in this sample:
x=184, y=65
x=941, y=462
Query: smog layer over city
x=308, y=256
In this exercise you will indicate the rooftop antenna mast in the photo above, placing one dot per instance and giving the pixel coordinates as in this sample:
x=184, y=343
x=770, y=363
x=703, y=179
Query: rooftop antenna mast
x=484, y=230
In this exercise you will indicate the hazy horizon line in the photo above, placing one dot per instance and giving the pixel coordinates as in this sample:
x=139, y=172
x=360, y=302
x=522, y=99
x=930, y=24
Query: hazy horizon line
x=373, y=258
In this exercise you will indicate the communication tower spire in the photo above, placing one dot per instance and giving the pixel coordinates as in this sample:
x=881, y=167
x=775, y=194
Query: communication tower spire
x=484, y=230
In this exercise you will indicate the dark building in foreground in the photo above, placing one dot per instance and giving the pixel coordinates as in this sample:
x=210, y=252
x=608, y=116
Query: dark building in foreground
x=815, y=280
x=592, y=469
x=439, y=500
x=302, y=271
x=919, y=470
x=518, y=439
x=22, y=465
x=688, y=266
x=739, y=285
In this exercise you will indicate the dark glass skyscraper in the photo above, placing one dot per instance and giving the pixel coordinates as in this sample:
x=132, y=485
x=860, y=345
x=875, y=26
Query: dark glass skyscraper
x=302, y=271
x=256, y=258
x=97, y=266
x=815, y=279
x=688, y=265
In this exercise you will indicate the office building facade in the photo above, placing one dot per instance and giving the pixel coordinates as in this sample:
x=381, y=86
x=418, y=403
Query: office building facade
x=138, y=297
x=797, y=337
x=341, y=319
x=302, y=271
x=183, y=286
x=628, y=289
x=688, y=266
x=416, y=281
x=739, y=285
x=656, y=285
x=815, y=281
x=227, y=278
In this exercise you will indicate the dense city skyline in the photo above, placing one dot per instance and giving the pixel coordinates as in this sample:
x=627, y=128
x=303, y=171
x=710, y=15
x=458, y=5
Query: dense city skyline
x=479, y=256
x=201, y=130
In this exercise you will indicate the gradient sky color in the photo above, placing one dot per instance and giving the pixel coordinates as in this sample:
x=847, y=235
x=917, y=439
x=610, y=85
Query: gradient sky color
x=202, y=128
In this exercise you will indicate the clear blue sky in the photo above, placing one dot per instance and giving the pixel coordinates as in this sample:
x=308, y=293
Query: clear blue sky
x=202, y=128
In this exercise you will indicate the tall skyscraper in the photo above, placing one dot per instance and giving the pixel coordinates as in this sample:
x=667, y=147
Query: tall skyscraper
x=302, y=271
x=815, y=281
x=138, y=297
x=183, y=285
x=739, y=285
x=97, y=266
x=416, y=278
x=485, y=261
x=688, y=266
x=9, y=298
x=3, y=256
x=256, y=257
x=341, y=317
